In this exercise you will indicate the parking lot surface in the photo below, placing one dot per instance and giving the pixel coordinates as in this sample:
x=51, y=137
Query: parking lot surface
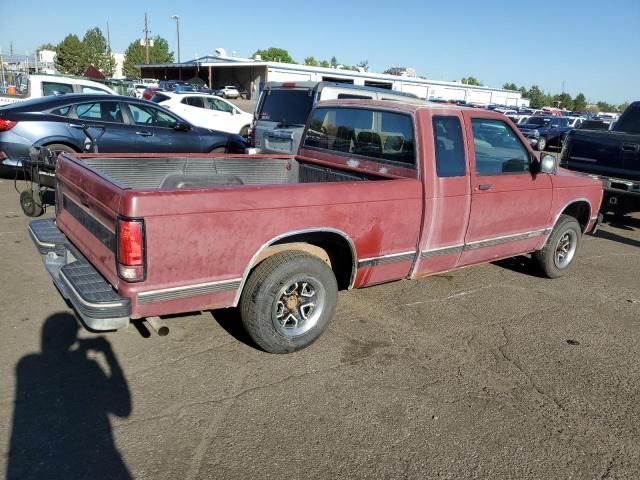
x=486, y=372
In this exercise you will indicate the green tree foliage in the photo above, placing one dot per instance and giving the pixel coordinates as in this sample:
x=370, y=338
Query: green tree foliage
x=364, y=64
x=135, y=55
x=46, y=46
x=311, y=61
x=334, y=62
x=606, y=107
x=97, y=53
x=471, y=81
x=70, y=56
x=510, y=86
x=325, y=64
x=580, y=103
x=274, y=54
x=536, y=96
x=563, y=101
x=623, y=106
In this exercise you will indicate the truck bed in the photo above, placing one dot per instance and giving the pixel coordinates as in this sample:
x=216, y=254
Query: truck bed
x=189, y=172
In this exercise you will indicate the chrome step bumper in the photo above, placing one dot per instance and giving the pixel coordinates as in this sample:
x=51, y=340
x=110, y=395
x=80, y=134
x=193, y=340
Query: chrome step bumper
x=93, y=298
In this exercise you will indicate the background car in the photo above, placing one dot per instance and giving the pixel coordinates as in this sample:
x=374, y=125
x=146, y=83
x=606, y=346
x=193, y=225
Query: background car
x=136, y=90
x=206, y=111
x=545, y=131
x=119, y=124
x=229, y=91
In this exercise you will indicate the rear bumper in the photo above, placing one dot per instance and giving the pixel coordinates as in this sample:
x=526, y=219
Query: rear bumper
x=93, y=298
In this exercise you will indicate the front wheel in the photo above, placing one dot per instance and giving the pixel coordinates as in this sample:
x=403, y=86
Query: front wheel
x=542, y=144
x=31, y=206
x=288, y=301
x=558, y=253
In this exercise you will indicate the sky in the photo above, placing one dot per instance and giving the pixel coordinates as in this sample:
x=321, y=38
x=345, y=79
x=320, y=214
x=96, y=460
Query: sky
x=590, y=46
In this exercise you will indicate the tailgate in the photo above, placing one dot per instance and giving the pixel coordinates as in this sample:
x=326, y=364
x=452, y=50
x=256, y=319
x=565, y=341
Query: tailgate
x=87, y=211
x=596, y=152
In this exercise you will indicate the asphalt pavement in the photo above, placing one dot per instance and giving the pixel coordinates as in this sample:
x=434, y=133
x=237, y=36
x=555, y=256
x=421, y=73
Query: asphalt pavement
x=486, y=372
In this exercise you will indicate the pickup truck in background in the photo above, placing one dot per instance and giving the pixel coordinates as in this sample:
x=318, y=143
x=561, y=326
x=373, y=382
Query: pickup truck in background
x=36, y=86
x=379, y=191
x=544, y=131
x=612, y=156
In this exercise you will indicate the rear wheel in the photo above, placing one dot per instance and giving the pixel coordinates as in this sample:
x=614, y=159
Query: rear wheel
x=288, y=301
x=558, y=253
x=57, y=148
x=218, y=150
x=244, y=131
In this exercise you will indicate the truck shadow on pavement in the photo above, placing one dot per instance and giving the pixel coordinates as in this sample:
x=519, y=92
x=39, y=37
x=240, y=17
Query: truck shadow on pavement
x=61, y=427
x=229, y=319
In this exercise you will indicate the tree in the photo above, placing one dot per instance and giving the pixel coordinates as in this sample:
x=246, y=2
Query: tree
x=471, y=81
x=510, y=86
x=311, y=61
x=135, y=55
x=605, y=107
x=580, y=103
x=536, y=96
x=623, y=106
x=273, y=54
x=334, y=62
x=325, y=64
x=563, y=100
x=46, y=46
x=364, y=64
x=69, y=56
x=97, y=53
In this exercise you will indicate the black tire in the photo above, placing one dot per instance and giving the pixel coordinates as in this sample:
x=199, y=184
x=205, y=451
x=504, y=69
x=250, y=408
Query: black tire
x=556, y=256
x=31, y=206
x=542, y=144
x=244, y=131
x=269, y=300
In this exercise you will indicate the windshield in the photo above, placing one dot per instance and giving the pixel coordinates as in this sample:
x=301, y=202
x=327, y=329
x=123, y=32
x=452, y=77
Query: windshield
x=287, y=106
x=538, y=121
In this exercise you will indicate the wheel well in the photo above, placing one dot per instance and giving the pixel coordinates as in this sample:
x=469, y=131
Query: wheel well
x=581, y=211
x=323, y=245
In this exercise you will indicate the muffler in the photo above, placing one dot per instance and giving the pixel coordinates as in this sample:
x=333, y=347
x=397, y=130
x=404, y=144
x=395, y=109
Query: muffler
x=158, y=326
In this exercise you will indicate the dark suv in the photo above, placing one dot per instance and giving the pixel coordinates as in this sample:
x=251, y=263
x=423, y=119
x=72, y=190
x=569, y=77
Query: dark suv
x=545, y=131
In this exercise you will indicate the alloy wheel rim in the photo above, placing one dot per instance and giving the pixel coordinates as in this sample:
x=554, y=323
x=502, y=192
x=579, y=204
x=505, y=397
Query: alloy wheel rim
x=298, y=306
x=565, y=249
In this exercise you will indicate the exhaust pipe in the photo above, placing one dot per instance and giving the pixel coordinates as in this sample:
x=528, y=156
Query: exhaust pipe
x=156, y=324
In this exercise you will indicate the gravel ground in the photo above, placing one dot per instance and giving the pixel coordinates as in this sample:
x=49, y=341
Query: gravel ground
x=486, y=372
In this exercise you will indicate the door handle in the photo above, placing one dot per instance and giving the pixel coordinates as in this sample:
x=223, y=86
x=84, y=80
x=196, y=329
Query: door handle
x=629, y=147
x=144, y=134
x=76, y=125
x=484, y=186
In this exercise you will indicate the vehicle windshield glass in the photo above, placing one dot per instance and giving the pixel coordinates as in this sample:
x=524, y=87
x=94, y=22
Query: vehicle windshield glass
x=538, y=121
x=287, y=106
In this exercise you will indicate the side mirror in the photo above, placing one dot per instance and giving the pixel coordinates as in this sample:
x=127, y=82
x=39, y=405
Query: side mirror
x=182, y=127
x=547, y=163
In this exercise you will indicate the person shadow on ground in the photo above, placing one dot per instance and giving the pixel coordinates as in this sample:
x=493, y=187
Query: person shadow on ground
x=61, y=427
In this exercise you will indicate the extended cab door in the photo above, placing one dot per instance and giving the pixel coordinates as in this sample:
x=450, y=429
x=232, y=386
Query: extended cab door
x=509, y=204
x=447, y=192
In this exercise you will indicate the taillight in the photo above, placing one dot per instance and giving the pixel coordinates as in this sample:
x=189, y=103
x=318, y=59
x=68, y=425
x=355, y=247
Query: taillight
x=288, y=84
x=130, y=255
x=6, y=124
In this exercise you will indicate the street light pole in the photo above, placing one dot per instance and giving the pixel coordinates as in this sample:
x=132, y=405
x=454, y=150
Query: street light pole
x=177, y=19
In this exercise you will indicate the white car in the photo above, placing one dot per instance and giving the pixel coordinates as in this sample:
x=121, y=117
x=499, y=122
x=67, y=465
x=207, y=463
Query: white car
x=229, y=91
x=36, y=86
x=136, y=89
x=208, y=111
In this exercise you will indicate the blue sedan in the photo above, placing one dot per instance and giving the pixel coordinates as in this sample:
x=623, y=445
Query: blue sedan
x=118, y=124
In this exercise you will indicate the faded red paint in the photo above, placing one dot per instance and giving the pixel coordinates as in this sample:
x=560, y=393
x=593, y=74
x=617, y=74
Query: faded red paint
x=204, y=234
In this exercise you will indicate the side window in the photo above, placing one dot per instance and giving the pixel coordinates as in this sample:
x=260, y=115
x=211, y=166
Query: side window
x=381, y=135
x=215, y=104
x=100, y=111
x=62, y=111
x=51, y=88
x=447, y=137
x=194, y=101
x=630, y=120
x=87, y=89
x=498, y=149
x=151, y=116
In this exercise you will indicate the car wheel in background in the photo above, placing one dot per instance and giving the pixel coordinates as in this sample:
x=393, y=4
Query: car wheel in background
x=244, y=131
x=218, y=150
x=288, y=301
x=558, y=253
x=542, y=144
x=57, y=148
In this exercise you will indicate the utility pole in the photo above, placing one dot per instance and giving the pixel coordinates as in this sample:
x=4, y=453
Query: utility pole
x=108, y=37
x=177, y=19
x=146, y=39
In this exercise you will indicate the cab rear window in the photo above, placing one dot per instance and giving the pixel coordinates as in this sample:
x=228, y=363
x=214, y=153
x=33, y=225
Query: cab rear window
x=286, y=106
x=378, y=134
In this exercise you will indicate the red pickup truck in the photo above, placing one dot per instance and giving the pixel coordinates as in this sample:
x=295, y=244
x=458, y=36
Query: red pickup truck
x=379, y=191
